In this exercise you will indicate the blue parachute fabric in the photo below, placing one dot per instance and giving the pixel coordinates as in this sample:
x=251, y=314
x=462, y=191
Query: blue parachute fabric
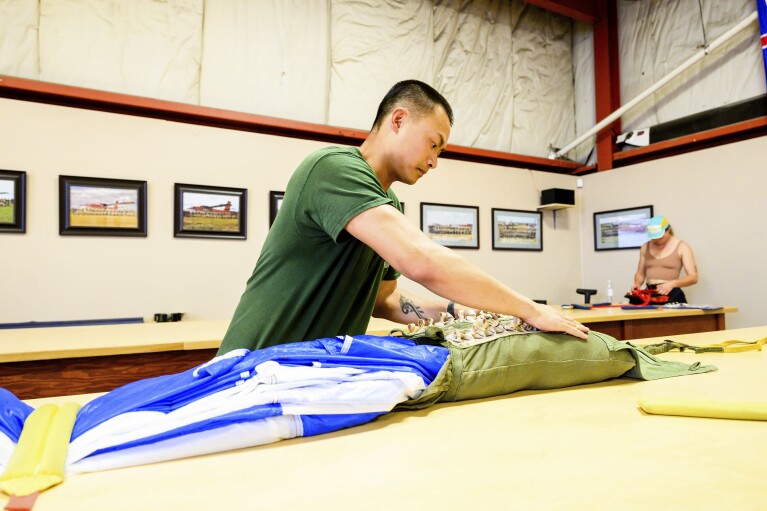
x=170, y=392
x=364, y=352
x=161, y=394
x=250, y=414
x=370, y=352
x=319, y=424
x=13, y=413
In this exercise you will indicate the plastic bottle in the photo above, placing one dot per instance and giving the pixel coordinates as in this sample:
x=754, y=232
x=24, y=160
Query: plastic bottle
x=609, y=291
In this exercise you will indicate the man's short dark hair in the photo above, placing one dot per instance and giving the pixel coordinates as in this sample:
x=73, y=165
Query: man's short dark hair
x=415, y=95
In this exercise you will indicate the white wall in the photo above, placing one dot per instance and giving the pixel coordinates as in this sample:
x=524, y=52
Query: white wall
x=715, y=200
x=48, y=277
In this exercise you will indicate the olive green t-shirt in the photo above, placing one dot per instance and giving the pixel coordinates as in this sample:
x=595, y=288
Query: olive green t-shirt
x=313, y=279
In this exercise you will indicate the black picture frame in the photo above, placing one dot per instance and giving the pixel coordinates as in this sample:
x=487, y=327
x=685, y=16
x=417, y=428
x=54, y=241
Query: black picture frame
x=451, y=225
x=275, y=201
x=621, y=229
x=93, y=206
x=13, y=201
x=516, y=229
x=205, y=211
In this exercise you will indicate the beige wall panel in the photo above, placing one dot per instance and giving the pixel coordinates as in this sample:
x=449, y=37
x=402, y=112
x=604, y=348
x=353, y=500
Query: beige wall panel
x=544, y=112
x=18, y=38
x=473, y=47
x=268, y=57
x=373, y=46
x=141, y=47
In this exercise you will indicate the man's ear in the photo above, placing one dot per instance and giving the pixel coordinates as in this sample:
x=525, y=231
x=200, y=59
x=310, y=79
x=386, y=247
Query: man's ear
x=397, y=118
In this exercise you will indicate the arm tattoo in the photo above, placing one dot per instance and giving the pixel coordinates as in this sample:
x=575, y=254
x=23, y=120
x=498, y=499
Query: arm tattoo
x=408, y=306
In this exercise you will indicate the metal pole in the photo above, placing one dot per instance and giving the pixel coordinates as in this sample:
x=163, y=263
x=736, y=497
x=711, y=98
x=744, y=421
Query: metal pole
x=660, y=83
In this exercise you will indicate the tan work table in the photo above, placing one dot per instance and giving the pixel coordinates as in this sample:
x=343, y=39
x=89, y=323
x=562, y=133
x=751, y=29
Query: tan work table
x=626, y=324
x=42, y=362
x=581, y=448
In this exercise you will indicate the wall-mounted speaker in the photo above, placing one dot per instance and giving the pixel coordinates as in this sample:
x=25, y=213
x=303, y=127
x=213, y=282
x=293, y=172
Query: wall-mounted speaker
x=558, y=196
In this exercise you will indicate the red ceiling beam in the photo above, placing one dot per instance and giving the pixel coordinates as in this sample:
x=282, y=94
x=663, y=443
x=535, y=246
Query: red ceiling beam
x=606, y=79
x=581, y=10
x=79, y=97
x=92, y=99
x=65, y=95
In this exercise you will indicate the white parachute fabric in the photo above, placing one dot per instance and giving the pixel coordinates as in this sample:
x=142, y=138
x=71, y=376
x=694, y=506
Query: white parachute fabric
x=237, y=435
x=6, y=450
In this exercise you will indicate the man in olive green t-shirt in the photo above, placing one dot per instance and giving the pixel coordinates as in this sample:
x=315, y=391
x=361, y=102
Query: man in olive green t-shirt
x=339, y=241
x=313, y=279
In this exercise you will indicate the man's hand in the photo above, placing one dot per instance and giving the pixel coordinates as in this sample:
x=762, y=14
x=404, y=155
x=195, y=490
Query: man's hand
x=664, y=288
x=547, y=319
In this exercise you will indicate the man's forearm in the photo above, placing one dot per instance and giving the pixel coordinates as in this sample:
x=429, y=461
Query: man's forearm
x=446, y=274
x=407, y=308
x=456, y=279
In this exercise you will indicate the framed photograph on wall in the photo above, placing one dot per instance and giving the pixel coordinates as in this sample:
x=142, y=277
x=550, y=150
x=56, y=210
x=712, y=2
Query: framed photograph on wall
x=13, y=206
x=92, y=206
x=517, y=230
x=621, y=228
x=275, y=201
x=451, y=225
x=210, y=212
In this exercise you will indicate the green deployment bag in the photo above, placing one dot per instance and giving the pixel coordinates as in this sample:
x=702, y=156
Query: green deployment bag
x=512, y=359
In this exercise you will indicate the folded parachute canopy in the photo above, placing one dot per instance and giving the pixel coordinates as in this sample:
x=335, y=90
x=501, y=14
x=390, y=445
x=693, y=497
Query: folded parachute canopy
x=297, y=389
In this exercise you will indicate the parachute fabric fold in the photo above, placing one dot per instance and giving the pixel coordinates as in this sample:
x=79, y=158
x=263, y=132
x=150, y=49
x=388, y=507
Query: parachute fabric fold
x=296, y=389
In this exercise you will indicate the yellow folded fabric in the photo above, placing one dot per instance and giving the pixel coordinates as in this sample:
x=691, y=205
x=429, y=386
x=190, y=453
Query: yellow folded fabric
x=704, y=408
x=37, y=462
